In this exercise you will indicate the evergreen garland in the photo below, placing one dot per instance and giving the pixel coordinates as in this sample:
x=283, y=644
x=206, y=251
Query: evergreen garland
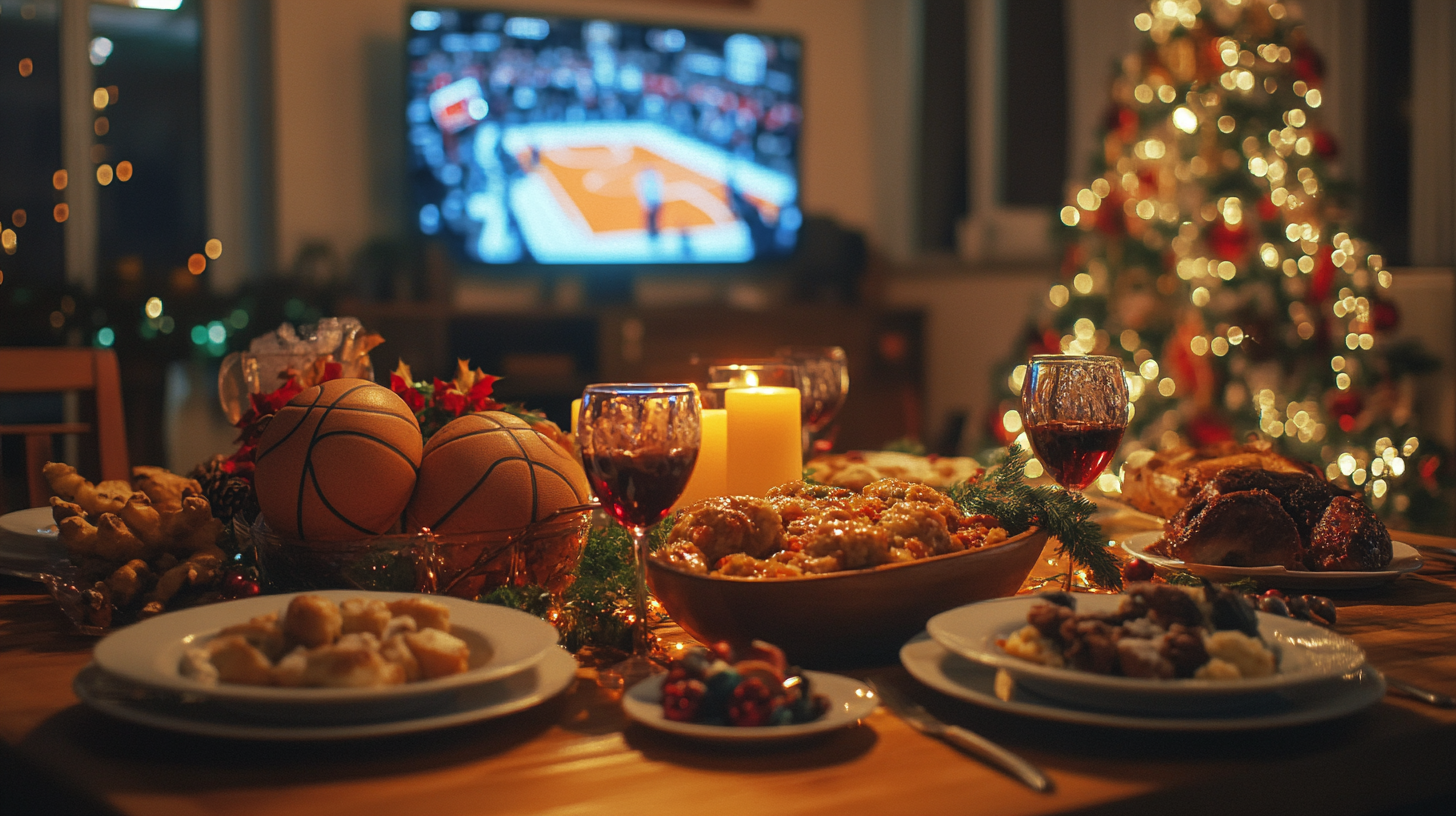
x=1003, y=493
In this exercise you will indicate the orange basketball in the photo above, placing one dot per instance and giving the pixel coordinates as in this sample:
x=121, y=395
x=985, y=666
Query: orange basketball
x=338, y=462
x=491, y=471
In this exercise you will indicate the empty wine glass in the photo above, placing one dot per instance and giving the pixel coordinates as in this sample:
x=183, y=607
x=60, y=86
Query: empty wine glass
x=823, y=385
x=639, y=442
x=1074, y=409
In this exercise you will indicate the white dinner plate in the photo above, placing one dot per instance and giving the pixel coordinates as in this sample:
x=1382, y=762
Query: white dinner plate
x=1112, y=511
x=849, y=702
x=1306, y=652
x=502, y=642
x=28, y=542
x=126, y=701
x=1404, y=558
x=955, y=676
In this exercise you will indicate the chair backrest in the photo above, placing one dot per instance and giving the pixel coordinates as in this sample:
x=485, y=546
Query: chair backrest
x=60, y=370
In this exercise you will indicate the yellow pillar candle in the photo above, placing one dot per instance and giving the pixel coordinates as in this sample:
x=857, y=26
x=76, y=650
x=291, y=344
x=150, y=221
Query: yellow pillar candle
x=710, y=474
x=764, y=446
x=575, y=416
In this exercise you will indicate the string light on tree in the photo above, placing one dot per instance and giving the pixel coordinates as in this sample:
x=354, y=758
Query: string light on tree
x=1209, y=251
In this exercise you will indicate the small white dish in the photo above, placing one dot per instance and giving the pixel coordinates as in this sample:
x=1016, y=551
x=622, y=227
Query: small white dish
x=502, y=642
x=849, y=702
x=1306, y=652
x=125, y=701
x=1404, y=558
x=28, y=542
x=955, y=676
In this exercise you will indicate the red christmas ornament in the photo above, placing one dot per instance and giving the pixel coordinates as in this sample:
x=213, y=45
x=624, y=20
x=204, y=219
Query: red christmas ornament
x=1308, y=65
x=1385, y=315
x=1228, y=242
x=1122, y=122
x=1325, y=145
x=1346, y=406
x=1111, y=220
x=1208, y=429
x=1267, y=210
x=1323, y=276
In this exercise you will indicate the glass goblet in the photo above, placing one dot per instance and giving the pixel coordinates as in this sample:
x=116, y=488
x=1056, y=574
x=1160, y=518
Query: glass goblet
x=1074, y=409
x=824, y=384
x=639, y=442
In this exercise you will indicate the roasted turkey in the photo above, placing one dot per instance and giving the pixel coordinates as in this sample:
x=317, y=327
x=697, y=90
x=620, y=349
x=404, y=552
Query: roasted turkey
x=1249, y=517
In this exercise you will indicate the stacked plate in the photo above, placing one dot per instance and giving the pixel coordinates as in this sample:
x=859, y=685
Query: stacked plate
x=28, y=542
x=136, y=676
x=1321, y=676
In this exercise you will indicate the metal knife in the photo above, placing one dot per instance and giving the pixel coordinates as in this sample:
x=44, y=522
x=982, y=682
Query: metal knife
x=1426, y=696
x=972, y=743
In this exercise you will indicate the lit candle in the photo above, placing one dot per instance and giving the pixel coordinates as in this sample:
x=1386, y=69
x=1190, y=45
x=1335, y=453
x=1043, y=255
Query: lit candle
x=764, y=446
x=575, y=416
x=710, y=474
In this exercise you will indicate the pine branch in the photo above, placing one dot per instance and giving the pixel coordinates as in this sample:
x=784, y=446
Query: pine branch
x=1004, y=493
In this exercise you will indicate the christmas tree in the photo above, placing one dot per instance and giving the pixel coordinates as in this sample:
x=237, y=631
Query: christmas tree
x=1212, y=251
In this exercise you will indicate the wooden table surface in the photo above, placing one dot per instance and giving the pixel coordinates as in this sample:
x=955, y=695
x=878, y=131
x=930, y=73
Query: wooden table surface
x=578, y=755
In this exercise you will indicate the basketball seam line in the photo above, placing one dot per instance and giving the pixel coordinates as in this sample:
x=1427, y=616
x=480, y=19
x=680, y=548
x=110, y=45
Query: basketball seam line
x=320, y=493
x=308, y=457
x=471, y=492
x=470, y=434
x=372, y=438
x=535, y=489
x=291, y=431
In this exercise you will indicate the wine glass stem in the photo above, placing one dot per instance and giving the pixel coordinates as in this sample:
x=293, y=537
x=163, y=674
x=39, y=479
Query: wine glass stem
x=640, y=629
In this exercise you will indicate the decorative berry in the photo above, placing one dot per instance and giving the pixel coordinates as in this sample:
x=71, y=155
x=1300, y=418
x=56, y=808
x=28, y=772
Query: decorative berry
x=237, y=585
x=752, y=703
x=1272, y=593
x=1136, y=570
x=682, y=699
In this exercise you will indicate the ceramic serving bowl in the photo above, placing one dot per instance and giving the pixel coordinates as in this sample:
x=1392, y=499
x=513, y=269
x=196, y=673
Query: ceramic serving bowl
x=464, y=565
x=857, y=617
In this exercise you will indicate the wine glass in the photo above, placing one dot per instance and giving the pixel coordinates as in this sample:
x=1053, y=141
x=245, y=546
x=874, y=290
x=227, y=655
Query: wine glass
x=639, y=442
x=1074, y=409
x=824, y=385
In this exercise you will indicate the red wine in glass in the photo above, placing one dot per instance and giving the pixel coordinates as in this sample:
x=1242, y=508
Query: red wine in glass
x=638, y=443
x=1074, y=408
x=639, y=488
x=1074, y=451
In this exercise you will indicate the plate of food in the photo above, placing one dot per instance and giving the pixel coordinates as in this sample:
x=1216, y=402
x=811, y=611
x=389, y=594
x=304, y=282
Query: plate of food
x=144, y=705
x=856, y=469
x=1158, y=647
x=983, y=685
x=28, y=542
x=328, y=652
x=1289, y=529
x=706, y=694
x=1404, y=558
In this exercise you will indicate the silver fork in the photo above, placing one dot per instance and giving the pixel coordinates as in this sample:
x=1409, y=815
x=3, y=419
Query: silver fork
x=972, y=743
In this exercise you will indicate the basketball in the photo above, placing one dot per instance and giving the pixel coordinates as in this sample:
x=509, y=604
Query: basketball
x=338, y=462
x=491, y=471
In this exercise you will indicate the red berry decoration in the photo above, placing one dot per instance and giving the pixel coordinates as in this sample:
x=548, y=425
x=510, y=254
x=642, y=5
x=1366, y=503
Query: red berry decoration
x=1136, y=570
x=752, y=703
x=237, y=585
x=682, y=699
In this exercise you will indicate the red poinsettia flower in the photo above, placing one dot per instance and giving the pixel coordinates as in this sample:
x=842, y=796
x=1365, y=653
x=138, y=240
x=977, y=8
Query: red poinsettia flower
x=479, y=395
x=448, y=399
x=411, y=395
x=273, y=401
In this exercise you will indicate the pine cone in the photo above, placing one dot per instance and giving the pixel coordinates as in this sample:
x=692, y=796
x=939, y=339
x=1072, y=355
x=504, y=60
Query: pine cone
x=211, y=476
x=234, y=497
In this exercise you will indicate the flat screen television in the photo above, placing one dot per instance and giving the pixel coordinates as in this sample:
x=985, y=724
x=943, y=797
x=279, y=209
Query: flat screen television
x=569, y=141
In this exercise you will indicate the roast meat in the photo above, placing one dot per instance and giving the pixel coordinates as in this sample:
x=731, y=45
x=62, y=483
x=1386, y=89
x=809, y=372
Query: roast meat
x=1245, y=517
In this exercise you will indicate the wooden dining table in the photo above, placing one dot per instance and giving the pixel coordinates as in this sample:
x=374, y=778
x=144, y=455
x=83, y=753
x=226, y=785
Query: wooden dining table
x=578, y=753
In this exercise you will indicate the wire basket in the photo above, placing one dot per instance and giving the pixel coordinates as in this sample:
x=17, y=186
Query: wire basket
x=466, y=565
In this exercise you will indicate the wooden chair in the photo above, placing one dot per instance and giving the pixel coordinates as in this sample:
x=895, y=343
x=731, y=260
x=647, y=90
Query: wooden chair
x=59, y=370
